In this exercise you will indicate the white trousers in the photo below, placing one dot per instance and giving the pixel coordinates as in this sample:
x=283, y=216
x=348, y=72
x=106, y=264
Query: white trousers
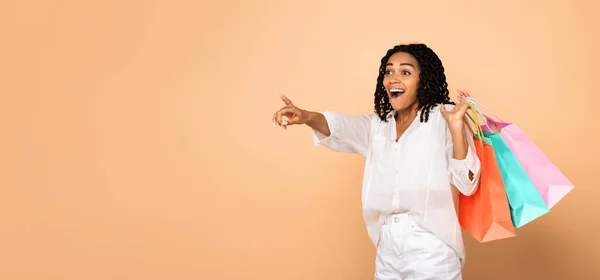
x=408, y=252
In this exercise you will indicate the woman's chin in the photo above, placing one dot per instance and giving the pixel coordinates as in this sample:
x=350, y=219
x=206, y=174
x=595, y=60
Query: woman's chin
x=400, y=105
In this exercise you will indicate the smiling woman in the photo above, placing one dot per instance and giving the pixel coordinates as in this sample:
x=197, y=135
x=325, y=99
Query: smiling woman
x=412, y=143
x=136, y=144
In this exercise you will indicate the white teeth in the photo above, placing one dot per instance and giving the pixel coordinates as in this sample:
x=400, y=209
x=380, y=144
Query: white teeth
x=397, y=90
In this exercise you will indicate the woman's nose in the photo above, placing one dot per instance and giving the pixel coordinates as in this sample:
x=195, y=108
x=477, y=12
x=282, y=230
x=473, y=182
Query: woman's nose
x=395, y=78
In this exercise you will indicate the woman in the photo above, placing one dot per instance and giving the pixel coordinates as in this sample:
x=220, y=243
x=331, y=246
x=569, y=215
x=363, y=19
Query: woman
x=419, y=156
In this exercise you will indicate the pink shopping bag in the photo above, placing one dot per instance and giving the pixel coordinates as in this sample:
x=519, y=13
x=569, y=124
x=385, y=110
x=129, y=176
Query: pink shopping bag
x=550, y=182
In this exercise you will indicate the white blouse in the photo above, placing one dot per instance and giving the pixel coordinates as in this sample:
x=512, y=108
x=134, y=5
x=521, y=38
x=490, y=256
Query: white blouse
x=413, y=175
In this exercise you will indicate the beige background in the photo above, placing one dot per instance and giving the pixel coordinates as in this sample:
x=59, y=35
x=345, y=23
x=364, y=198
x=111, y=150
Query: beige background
x=137, y=138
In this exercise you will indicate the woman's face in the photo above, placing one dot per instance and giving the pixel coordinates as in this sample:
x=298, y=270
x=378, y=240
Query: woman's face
x=401, y=80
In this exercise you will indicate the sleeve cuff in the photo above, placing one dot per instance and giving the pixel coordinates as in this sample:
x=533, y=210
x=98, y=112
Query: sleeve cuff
x=467, y=164
x=319, y=138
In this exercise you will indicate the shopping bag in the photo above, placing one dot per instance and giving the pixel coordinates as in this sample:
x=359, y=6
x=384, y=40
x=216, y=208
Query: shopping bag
x=485, y=214
x=526, y=203
x=550, y=182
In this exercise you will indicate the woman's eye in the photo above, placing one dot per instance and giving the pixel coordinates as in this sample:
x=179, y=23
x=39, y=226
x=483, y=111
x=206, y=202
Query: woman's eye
x=387, y=72
x=405, y=73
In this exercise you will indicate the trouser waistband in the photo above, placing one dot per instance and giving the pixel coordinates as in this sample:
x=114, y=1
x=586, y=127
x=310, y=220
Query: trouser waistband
x=404, y=218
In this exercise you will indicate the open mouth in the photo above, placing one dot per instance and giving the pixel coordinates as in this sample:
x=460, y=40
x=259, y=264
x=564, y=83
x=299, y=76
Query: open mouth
x=396, y=92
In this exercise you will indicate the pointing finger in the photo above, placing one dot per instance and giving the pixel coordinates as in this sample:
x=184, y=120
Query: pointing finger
x=286, y=100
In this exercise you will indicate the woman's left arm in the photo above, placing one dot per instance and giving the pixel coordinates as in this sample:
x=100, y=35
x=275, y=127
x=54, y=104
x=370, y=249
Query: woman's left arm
x=464, y=165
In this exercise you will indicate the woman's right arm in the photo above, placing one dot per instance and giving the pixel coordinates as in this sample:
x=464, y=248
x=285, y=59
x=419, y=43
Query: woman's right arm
x=338, y=132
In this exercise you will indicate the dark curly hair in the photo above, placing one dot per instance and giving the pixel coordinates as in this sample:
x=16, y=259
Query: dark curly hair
x=432, y=90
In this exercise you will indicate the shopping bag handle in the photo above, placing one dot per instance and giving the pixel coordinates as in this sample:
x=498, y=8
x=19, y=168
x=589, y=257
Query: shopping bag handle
x=482, y=106
x=478, y=130
x=475, y=109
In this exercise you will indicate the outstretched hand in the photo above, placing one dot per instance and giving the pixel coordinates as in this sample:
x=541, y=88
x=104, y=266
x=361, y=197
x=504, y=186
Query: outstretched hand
x=288, y=115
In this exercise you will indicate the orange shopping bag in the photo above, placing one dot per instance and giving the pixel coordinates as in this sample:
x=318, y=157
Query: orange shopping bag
x=485, y=215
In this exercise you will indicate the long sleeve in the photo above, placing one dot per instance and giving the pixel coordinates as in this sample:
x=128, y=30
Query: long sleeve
x=349, y=134
x=459, y=169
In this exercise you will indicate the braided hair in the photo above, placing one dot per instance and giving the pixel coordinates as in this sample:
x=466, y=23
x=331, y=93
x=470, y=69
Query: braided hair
x=433, y=88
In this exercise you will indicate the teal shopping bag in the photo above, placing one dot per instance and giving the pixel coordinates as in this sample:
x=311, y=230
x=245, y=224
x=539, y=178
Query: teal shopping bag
x=526, y=203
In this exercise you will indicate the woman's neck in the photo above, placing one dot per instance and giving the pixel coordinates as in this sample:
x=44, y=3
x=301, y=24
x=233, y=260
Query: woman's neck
x=408, y=114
